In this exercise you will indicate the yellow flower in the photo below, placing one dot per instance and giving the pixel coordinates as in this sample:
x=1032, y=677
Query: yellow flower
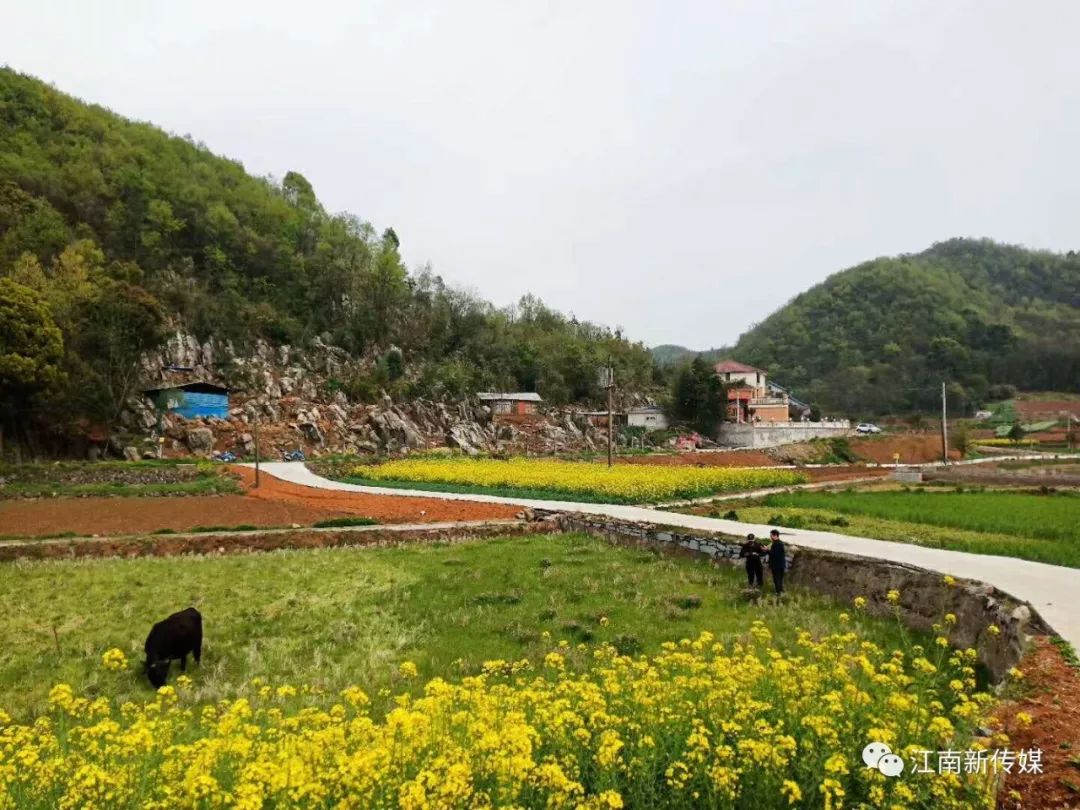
x=408, y=670
x=860, y=602
x=1023, y=719
x=791, y=791
x=950, y=618
x=893, y=597
x=949, y=581
x=114, y=659
x=993, y=630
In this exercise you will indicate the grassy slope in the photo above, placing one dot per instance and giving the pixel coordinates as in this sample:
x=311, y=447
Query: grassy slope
x=333, y=617
x=1030, y=527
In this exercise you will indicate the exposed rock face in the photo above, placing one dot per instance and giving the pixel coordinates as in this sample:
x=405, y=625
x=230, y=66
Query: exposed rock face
x=200, y=440
x=287, y=392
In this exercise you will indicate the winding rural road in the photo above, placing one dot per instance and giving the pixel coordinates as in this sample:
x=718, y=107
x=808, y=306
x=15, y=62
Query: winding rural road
x=1051, y=589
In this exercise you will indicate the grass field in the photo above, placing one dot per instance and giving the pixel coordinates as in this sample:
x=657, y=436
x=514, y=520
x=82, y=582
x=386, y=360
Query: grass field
x=341, y=616
x=561, y=672
x=549, y=479
x=1029, y=526
x=115, y=478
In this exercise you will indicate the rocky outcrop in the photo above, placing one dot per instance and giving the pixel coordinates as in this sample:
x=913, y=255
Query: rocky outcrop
x=288, y=394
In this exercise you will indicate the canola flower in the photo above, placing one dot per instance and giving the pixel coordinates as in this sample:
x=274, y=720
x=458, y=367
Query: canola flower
x=699, y=724
x=114, y=659
x=637, y=483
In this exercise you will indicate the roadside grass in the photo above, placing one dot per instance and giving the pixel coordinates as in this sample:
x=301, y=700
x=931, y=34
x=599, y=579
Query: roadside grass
x=1051, y=516
x=333, y=617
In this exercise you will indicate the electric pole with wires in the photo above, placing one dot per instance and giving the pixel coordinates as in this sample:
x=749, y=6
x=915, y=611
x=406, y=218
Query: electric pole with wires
x=607, y=380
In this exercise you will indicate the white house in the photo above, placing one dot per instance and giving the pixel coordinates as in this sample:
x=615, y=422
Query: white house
x=650, y=418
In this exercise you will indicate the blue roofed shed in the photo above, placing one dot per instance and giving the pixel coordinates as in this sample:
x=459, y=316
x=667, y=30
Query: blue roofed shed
x=192, y=400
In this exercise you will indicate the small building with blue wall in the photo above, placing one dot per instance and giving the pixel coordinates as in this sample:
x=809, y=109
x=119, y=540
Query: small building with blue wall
x=192, y=400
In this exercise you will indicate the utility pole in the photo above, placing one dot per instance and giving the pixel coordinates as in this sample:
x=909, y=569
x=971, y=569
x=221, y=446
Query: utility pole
x=944, y=427
x=256, y=452
x=607, y=379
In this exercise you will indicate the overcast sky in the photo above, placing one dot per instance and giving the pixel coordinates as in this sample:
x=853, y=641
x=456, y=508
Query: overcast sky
x=680, y=169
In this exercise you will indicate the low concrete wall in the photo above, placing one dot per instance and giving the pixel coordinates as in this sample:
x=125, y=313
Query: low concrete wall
x=764, y=434
x=924, y=597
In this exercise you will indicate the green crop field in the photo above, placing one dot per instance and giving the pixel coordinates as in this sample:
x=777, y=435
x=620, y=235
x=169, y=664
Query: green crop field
x=1029, y=526
x=334, y=617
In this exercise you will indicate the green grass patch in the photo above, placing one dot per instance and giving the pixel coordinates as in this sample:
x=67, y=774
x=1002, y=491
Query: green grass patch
x=243, y=527
x=919, y=522
x=334, y=617
x=115, y=479
x=343, y=522
x=1054, y=516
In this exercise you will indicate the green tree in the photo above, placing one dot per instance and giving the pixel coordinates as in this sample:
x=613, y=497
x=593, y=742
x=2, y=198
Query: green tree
x=113, y=328
x=31, y=351
x=698, y=397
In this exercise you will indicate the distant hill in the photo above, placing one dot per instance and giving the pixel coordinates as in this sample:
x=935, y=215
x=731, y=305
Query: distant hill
x=669, y=354
x=881, y=337
x=115, y=233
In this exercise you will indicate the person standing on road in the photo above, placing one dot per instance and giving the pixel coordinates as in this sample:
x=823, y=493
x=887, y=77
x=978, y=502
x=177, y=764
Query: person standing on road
x=753, y=551
x=777, y=561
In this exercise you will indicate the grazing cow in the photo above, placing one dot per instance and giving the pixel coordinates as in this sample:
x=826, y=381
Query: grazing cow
x=170, y=639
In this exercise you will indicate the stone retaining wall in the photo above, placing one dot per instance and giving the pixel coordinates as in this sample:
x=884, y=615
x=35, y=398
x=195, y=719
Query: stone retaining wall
x=924, y=596
x=765, y=434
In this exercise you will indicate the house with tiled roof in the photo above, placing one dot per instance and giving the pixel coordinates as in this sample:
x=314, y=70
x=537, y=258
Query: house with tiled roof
x=749, y=398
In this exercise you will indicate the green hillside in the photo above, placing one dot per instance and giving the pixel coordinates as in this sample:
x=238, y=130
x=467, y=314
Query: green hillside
x=880, y=337
x=112, y=232
x=671, y=355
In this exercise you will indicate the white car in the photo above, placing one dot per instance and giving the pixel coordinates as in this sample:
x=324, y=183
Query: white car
x=866, y=427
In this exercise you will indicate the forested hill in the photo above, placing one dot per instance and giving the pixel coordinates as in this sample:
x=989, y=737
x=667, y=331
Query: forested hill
x=882, y=336
x=114, y=231
x=670, y=354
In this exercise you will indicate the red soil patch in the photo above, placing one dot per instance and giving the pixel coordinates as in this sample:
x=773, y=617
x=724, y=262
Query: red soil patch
x=1034, y=410
x=1053, y=702
x=275, y=503
x=914, y=448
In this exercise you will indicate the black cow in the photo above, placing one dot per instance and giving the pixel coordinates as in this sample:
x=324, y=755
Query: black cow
x=170, y=639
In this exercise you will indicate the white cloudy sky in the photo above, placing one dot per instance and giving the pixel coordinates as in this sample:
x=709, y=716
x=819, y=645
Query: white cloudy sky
x=677, y=168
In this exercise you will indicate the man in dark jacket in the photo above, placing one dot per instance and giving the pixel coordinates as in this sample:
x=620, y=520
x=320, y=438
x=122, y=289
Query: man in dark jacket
x=753, y=551
x=777, y=561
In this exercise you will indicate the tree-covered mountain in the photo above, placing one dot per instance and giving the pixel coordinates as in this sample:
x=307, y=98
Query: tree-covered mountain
x=881, y=337
x=114, y=232
x=670, y=354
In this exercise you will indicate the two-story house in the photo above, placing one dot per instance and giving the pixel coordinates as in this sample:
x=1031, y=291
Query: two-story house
x=749, y=399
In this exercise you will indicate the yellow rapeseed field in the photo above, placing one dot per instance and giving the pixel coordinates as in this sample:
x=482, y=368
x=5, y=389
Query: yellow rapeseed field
x=697, y=725
x=633, y=483
x=1000, y=442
